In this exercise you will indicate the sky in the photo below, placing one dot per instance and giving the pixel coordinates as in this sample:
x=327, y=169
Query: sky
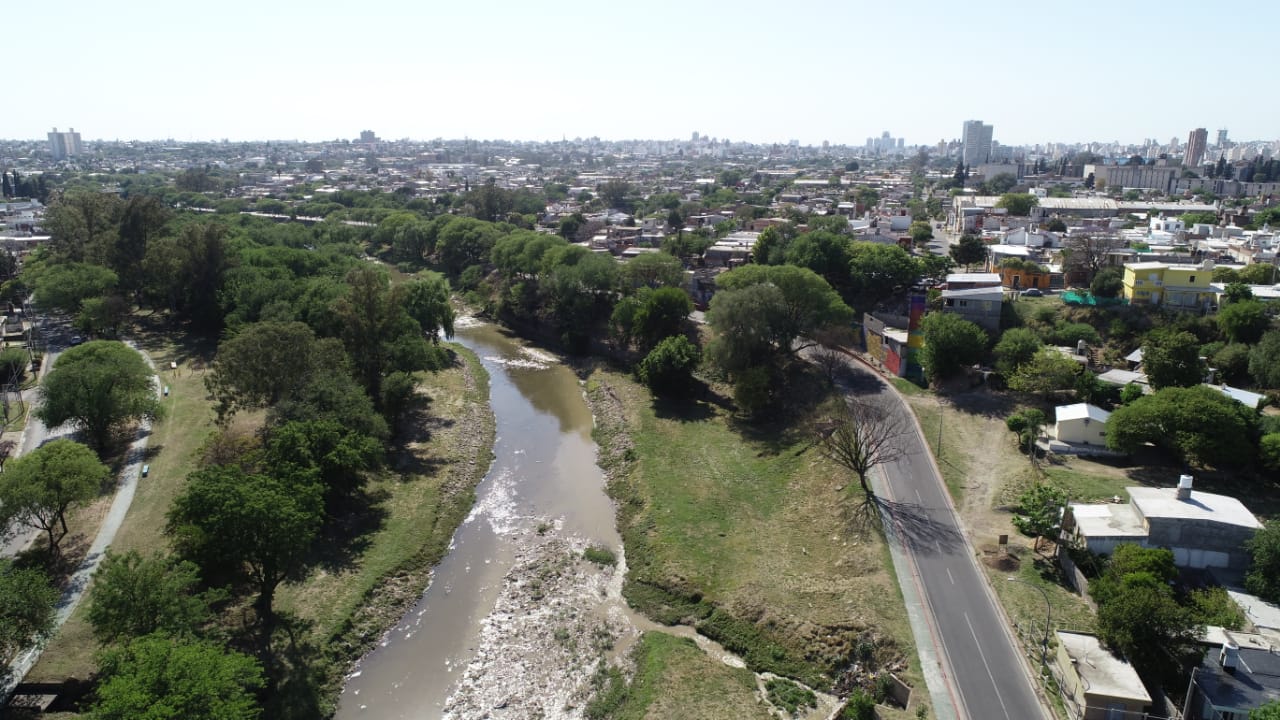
x=833, y=70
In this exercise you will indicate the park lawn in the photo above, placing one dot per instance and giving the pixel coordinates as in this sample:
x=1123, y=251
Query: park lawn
x=748, y=533
x=675, y=678
x=176, y=437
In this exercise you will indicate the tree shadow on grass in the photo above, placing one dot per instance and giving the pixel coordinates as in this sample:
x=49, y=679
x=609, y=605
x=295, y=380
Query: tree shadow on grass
x=295, y=669
x=345, y=538
x=688, y=408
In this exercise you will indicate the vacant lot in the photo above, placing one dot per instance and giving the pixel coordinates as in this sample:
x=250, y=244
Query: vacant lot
x=749, y=534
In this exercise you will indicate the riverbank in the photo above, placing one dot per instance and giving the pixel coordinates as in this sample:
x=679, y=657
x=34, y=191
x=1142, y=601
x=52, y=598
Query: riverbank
x=747, y=534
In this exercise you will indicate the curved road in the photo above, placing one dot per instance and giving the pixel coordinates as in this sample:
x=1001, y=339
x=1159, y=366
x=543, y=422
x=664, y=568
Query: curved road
x=983, y=671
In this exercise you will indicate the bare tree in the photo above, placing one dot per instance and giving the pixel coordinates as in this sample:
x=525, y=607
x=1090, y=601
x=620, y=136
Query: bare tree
x=859, y=436
x=1088, y=253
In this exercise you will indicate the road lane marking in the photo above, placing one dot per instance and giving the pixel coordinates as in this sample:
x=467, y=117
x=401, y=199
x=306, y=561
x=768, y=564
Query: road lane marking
x=983, y=655
x=918, y=497
x=949, y=577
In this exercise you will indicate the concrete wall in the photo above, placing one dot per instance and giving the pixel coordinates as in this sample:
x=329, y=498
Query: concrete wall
x=1200, y=543
x=1081, y=431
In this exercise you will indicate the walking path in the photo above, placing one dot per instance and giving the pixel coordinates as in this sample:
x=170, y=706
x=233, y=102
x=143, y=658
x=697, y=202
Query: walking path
x=79, y=581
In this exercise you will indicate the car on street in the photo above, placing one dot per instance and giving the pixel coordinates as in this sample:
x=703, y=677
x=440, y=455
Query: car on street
x=1032, y=292
x=76, y=340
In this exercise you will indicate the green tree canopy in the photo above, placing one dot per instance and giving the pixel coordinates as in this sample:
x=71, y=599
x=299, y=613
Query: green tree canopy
x=1171, y=358
x=668, y=368
x=1263, y=578
x=67, y=286
x=969, y=250
x=1197, y=424
x=1108, y=283
x=1016, y=346
x=1244, y=321
x=652, y=270
x=426, y=300
x=877, y=270
x=1018, y=204
x=135, y=596
x=808, y=303
x=1264, y=360
x=37, y=489
x=749, y=323
x=258, y=525
x=98, y=387
x=464, y=242
x=26, y=607
x=661, y=314
x=1138, y=614
x=160, y=678
x=950, y=344
x=921, y=232
x=263, y=364
x=1040, y=512
x=1047, y=372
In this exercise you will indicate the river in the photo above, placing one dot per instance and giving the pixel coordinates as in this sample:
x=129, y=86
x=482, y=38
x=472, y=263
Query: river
x=514, y=621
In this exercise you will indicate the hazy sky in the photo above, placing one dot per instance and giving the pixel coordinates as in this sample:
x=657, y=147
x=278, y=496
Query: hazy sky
x=837, y=70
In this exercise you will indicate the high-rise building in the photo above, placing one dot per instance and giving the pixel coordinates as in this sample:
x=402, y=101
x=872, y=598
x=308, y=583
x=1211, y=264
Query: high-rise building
x=63, y=145
x=976, y=142
x=1195, y=147
x=1222, y=138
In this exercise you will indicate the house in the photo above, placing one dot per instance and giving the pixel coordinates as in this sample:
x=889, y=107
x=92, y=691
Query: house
x=968, y=281
x=980, y=305
x=1204, y=530
x=1231, y=680
x=888, y=345
x=1095, y=684
x=1080, y=424
x=1175, y=285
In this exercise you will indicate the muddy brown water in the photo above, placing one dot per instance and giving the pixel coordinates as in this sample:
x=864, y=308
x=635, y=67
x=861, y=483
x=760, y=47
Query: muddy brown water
x=544, y=471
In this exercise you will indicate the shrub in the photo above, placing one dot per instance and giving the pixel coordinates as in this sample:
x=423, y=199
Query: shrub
x=13, y=364
x=668, y=368
x=786, y=694
x=861, y=706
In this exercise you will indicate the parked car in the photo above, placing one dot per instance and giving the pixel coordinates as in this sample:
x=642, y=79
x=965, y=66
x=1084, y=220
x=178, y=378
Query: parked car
x=76, y=340
x=1032, y=292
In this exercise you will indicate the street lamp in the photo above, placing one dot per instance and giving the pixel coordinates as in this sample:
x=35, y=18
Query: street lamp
x=1048, y=621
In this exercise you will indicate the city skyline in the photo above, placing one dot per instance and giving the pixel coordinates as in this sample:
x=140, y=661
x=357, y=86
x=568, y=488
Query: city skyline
x=837, y=72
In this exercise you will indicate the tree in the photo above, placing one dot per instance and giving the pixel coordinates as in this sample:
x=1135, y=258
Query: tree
x=1108, y=283
x=661, y=314
x=135, y=596
x=1197, y=424
x=67, y=286
x=1131, y=391
x=1263, y=578
x=98, y=386
x=748, y=323
x=464, y=242
x=26, y=607
x=1138, y=615
x=1056, y=225
x=258, y=525
x=859, y=436
x=1047, y=372
x=950, y=343
x=142, y=219
x=1236, y=291
x=102, y=315
x=159, y=678
x=1264, y=360
x=877, y=270
x=1244, y=321
x=1171, y=358
x=1026, y=425
x=426, y=300
x=652, y=270
x=1001, y=184
x=668, y=368
x=1018, y=204
x=82, y=224
x=1232, y=363
x=1016, y=346
x=1040, y=512
x=37, y=489
x=1269, y=451
x=1087, y=252
x=336, y=455
x=263, y=364
x=969, y=250
x=1258, y=274
x=921, y=232
x=807, y=304
x=1270, y=711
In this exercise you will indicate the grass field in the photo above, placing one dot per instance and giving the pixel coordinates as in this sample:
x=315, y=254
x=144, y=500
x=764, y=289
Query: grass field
x=746, y=532
x=675, y=679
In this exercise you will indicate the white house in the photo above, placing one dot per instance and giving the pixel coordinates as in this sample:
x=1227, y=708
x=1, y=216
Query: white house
x=1080, y=424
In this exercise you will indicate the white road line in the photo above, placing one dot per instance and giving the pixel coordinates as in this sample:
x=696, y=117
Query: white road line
x=919, y=497
x=949, y=577
x=983, y=655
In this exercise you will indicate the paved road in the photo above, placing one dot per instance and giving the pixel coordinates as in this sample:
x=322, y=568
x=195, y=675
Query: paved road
x=985, y=673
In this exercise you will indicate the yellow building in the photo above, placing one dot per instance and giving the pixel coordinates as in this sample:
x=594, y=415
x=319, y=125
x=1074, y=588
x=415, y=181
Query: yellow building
x=1179, y=286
